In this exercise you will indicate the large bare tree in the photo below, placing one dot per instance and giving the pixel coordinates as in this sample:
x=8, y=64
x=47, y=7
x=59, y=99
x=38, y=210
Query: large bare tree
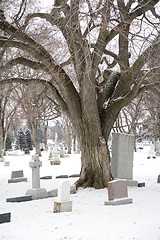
x=95, y=67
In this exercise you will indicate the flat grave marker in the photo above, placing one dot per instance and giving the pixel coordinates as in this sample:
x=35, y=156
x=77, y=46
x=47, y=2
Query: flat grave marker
x=5, y=217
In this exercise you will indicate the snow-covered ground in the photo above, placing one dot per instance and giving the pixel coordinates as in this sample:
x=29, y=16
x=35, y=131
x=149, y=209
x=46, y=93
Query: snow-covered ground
x=90, y=219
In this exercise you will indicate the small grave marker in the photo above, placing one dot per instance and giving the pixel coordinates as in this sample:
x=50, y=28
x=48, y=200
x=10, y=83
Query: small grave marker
x=62, y=176
x=19, y=199
x=158, y=179
x=35, y=164
x=151, y=153
x=5, y=217
x=63, y=203
x=117, y=193
x=141, y=184
x=46, y=177
x=55, y=158
x=36, y=192
x=17, y=176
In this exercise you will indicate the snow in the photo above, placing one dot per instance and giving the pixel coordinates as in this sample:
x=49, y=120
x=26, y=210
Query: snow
x=90, y=219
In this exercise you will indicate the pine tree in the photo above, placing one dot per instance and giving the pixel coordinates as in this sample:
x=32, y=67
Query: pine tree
x=28, y=138
x=22, y=139
x=8, y=142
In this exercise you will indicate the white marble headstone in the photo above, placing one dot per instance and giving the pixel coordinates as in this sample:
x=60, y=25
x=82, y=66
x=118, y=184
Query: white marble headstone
x=64, y=191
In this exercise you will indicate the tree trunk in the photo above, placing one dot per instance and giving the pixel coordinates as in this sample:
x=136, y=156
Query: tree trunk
x=1, y=141
x=36, y=139
x=95, y=169
x=45, y=137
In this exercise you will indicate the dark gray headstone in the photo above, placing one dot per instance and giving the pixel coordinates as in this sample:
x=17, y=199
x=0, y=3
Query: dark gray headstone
x=141, y=184
x=26, y=150
x=19, y=199
x=17, y=174
x=5, y=217
x=62, y=176
x=46, y=177
x=158, y=179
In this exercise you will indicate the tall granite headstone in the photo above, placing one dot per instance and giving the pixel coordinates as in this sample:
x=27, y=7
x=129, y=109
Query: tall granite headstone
x=122, y=157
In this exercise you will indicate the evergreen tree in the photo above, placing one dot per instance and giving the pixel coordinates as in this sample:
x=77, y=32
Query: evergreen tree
x=28, y=138
x=8, y=142
x=22, y=139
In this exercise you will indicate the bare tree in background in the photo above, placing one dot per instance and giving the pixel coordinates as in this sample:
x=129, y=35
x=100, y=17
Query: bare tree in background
x=96, y=70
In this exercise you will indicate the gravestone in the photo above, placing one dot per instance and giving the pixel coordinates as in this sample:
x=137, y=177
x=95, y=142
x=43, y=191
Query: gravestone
x=118, y=193
x=26, y=150
x=74, y=175
x=62, y=176
x=17, y=176
x=46, y=177
x=50, y=152
x=63, y=203
x=5, y=217
x=158, y=148
x=122, y=157
x=36, y=192
x=55, y=158
x=151, y=153
x=35, y=165
x=19, y=199
x=6, y=163
x=62, y=155
x=158, y=179
x=141, y=184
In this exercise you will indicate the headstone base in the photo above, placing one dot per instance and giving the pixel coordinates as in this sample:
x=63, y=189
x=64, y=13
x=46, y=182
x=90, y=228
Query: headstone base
x=55, y=162
x=38, y=193
x=16, y=180
x=121, y=201
x=62, y=206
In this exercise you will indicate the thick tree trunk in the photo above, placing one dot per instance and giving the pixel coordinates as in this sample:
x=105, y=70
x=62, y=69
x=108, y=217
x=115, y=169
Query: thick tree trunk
x=1, y=141
x=95, y=169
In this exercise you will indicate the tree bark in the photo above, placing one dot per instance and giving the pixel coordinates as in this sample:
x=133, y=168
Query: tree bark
x=95, y=169
x=36, y=138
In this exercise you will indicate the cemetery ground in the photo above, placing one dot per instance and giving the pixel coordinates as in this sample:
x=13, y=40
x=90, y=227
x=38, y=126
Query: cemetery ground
x=89, y=219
